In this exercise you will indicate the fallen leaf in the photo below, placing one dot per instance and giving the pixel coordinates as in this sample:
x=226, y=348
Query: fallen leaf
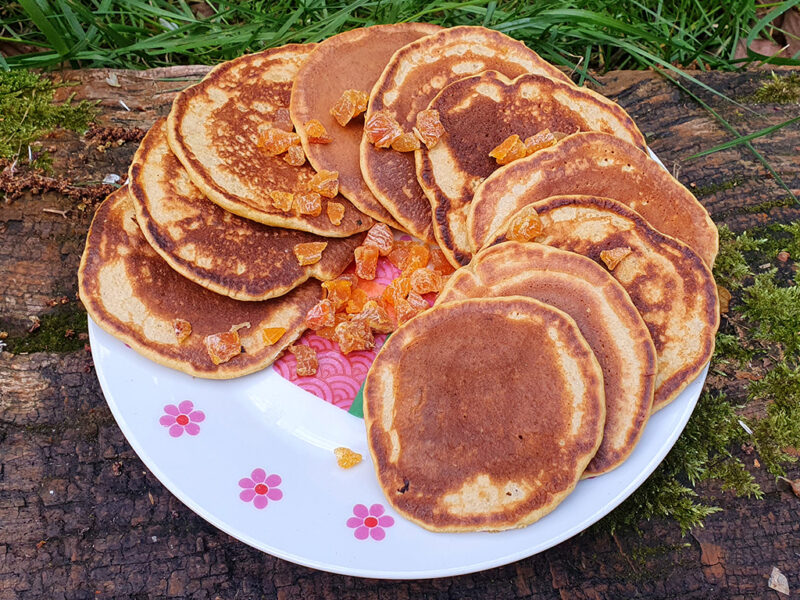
x=112, y=80
x=783, y=256
x=756, y=464
x=778, y=582
x=794, y=484
x=747, y=375
x=41, y=543
x=724, y=299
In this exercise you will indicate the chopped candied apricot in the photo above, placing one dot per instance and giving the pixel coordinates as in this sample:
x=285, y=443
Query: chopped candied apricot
x=282, y=200
x=382, y=129
x=398, y=289
x=511, y=149
x=354, y=335
x=406, y=143
x=307, y=362
x=295, y=156
x=525, y=225
x=182, y=328
x=418, y=256
x=282, y=120
x=277, y=141
x=321, y=315
x=222, y=347
x=410, y=307
x=272, y=334
x=425, y=281
x=429, y=127
x=380, y=237
x=361, y=99
x=316, y=132
x=366, y=262
x=376, y=317
x=325, y=183
x=538, y=141
x=417, y=301
x=308, y=203
x=351, y=104
x=346, y=458
x=358, y=298
x=338, y=291
x=399, y=253
x=614, y=256
x=309, y=253
x=335, y=212
x=440, y=263
x=329, y=332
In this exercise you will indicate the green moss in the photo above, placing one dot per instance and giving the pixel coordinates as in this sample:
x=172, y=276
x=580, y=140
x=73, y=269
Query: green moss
x=713, y=188
x=731, y=268
x=27, y=113
x=58, y=331
x=774, y=311
x=780, y=429
x=778, y=90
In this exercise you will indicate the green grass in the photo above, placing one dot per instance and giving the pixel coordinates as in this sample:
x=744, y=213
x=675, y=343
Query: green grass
x=596, y=34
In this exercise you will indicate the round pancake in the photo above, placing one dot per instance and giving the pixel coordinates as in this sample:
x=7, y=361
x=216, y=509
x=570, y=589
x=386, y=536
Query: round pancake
x=409, y=82
x=214, y=128
x=481, y=111
x=670, y=285
x=594, y=164
x=134, y=295
x=225, y=253
x=482, y=434
x=602, y=311
x=352, y=60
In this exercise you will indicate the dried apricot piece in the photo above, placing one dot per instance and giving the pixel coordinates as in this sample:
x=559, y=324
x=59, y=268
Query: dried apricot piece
x=399, y=253
x=295, y=156
x=406, y=143
x=337, y=291
x=425, y=281
x=329, y=332
x=222, y=347
x=282, y=120
x=382, y=129
x=525, y=225
x=272, y=334
x=361, y=99
x=182, y=329
x=538, y=141
x=277, y=141
x=614, y=256
x=325, y=183
x=511, y=149
x=282, y=200
x=376, y=317
x=410, y=307
x=335, y=212
x=429, y=127
x=346, y=458
x=418, y=256
x=354, y=335
x=398, y=289
x=307, y=362
x=358, y=298
x=349, y=105
x=309, y=252
x=308, y=203
x=366, y=262
x=320, y=315
x=316, y=133
x=440, y=263
x=380, y=237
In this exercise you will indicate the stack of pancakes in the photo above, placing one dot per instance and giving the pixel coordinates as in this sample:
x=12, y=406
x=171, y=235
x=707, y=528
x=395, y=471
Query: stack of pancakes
x=582, y=299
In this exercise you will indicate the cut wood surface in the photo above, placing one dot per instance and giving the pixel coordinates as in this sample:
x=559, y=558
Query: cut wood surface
x=81, y=517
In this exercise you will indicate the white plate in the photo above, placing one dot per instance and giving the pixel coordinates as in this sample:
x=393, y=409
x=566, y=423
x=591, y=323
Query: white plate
x=263, y=421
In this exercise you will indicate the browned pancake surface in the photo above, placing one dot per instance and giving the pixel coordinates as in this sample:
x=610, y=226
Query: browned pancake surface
x=132, y=293
x=350, y=60
x=594, y=164
x=214, y=248
x=604, y=314
x=478, y=113
x=415, y=74
x=215, y=127
x=482, y=414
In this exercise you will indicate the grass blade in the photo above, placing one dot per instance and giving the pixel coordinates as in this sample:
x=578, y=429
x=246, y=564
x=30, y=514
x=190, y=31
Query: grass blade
x=743, y=139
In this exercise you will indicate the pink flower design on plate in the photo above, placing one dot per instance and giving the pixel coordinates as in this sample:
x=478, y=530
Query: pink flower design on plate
x=260, y=488
x=182, y=418
x=369, y=522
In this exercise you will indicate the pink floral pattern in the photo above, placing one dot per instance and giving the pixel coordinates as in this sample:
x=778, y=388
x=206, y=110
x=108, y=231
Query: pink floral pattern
x=182, y=418
x=260, y=488
x=369, y=523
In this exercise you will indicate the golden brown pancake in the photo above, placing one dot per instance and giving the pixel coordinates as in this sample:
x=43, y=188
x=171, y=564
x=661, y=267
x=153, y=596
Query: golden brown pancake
x=409, y=82
x=214, y=128
x=352, y=60
x=482, y=414
x=481, y=111
x=214, y=248
x=135, y=296
x=670, y=285
x=602, y=311
x=594, y=164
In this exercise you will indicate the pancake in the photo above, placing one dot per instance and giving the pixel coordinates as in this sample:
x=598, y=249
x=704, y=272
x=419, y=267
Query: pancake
x=135, y=296
x=225, y=253
x=352, y=60
x=669, y=284
x=214, y=128
x=478, y=113
x=602, y=311
x=594, y=164
x=416, y=73
x=497, y=433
